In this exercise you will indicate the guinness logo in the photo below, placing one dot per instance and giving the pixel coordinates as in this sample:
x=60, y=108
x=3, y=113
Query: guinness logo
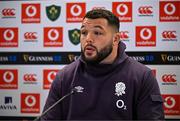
x=72, y=57
x=164, y=57
x=26, y=58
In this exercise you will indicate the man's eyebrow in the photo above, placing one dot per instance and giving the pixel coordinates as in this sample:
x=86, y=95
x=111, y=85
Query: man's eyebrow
x=100, y=27
x=97, y=26
x=82, y=26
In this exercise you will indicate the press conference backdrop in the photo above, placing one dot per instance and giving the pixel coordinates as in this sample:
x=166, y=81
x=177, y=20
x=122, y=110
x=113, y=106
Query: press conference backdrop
x=38, y=38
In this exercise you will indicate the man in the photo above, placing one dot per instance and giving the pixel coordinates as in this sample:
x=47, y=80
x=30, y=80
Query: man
x=112, y=86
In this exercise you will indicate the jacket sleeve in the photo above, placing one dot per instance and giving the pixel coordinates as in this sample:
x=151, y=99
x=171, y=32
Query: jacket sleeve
x=150, y=102
x=53, y=96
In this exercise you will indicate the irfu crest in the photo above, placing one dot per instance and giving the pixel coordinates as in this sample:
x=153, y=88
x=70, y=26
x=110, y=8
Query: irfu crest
x=74, y=36
x=53, y=12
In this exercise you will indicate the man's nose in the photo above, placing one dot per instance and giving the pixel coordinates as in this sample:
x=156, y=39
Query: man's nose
x=89, y=38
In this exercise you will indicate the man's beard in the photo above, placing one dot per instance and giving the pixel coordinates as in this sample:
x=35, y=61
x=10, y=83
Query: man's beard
x=100, y=55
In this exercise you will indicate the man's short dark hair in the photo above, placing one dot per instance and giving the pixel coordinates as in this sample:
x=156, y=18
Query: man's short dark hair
x=103, y=13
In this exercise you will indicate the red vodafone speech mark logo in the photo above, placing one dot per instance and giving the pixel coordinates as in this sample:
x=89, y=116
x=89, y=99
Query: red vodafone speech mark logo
x=30, y=103
x=145, y=36
x=75, y=12
x=53, y=37
x=49, y=76
x=123, y=10
x=169, y=11
x=8, y=37
x=30, y=13
x=171, y=104
x=8, y=79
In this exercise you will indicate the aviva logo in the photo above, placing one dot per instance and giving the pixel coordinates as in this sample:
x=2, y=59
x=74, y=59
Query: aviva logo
x=8, y=104
x=53, y=12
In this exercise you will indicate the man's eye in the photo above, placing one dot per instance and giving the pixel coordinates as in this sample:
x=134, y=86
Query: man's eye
x=97, y=33
x=83, y=32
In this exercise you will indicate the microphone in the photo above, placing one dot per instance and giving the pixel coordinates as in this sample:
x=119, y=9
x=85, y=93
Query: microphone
x=75, y=89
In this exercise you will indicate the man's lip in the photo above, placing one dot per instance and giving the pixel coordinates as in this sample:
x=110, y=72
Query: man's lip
x=89, y=48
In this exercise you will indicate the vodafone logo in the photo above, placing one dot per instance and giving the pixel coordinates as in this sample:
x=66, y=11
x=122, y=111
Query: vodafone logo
x=30, y=13
x=123, y=10
x=8, y=37
x=8, y=13
x=53, y=34
x=49, y=76
x=145, y=36
x=169, y=11
x=8, y=76
x=9, y=79
x=145, y=10
x=169, y=102
x=169, y=8
x=75, y=12
x=30, y=103
x=53, y=37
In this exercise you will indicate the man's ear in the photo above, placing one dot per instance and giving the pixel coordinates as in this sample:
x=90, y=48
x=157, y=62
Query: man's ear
x=116, y=38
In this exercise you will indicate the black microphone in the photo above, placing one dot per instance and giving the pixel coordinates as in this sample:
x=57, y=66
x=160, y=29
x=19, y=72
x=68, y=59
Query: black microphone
x=75, y=89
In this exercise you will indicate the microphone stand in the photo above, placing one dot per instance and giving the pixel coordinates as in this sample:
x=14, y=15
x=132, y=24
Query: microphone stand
x=70, y=93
